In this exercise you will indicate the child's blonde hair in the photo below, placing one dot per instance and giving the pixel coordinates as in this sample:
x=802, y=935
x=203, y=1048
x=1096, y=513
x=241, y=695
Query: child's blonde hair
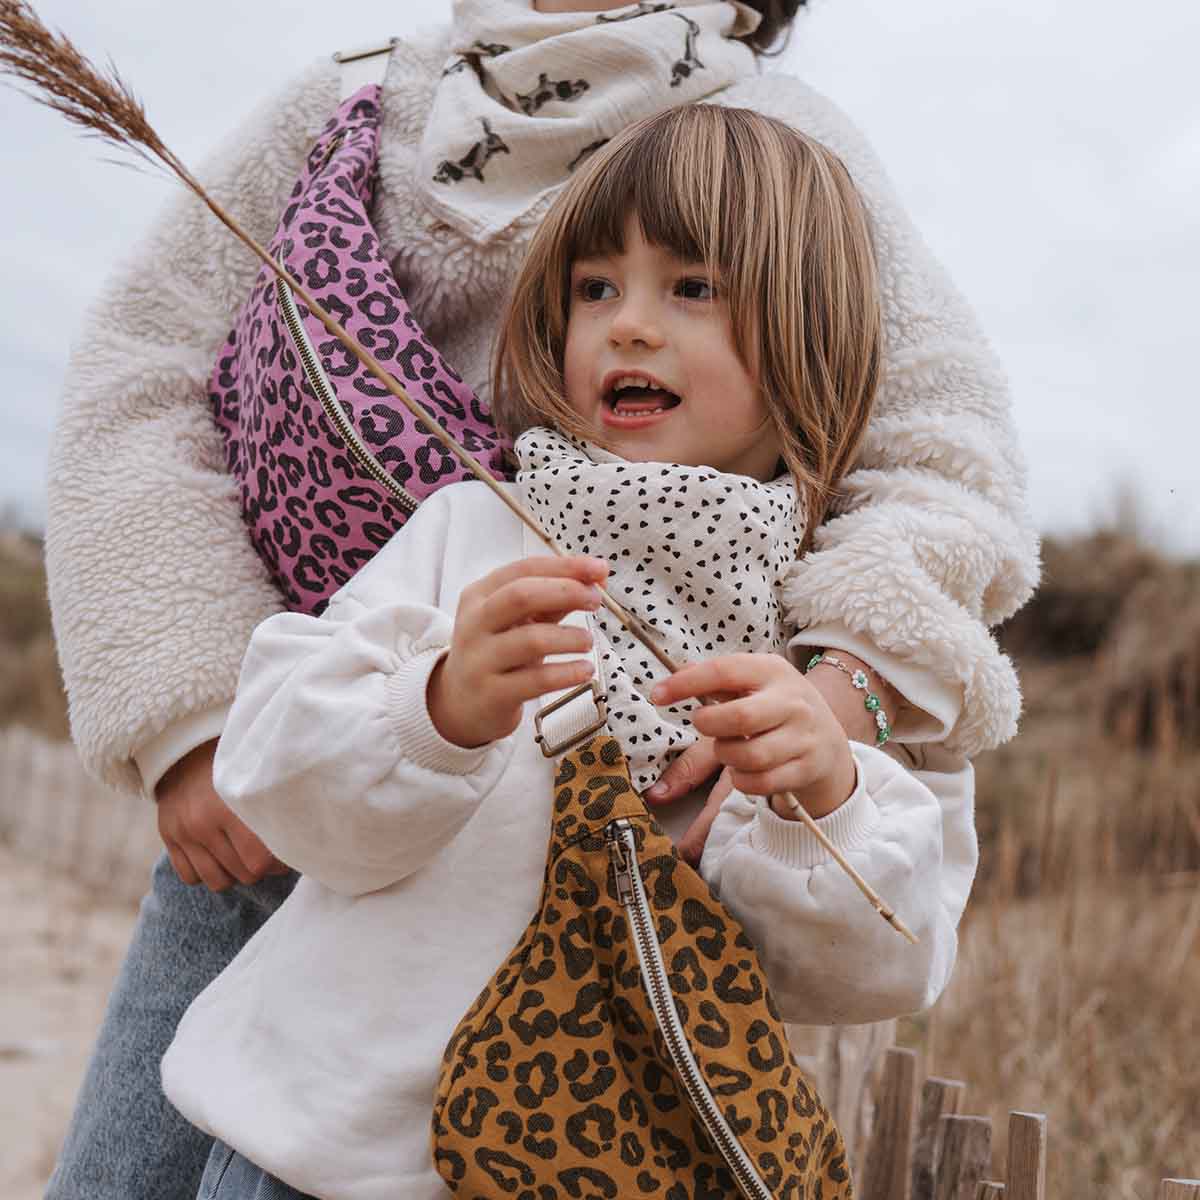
x=775, y=218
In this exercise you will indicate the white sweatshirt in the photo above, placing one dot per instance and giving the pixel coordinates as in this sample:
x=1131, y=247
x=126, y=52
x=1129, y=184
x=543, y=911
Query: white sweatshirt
x=316, y=1053
x=155, y=588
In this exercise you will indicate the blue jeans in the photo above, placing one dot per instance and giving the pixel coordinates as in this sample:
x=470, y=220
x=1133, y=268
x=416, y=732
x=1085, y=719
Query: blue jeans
x=125, y=1141
x=229, y=1176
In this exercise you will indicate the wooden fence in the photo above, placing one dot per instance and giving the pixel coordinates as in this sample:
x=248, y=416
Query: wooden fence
x=56, y=814
x=923, y=1148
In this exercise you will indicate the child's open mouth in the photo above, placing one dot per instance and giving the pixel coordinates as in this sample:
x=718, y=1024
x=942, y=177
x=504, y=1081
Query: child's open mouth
x=635, y=399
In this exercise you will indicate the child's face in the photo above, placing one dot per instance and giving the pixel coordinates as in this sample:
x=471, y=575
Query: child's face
x=644, y=317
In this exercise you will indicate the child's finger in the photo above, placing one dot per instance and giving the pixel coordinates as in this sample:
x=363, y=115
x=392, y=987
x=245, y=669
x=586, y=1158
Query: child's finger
x=538, y=598
x=746, y=716
x=530, y=683
x=736, y=673
x=527, y=645
x=793, y=776
x=582, y=567
x=763, y=753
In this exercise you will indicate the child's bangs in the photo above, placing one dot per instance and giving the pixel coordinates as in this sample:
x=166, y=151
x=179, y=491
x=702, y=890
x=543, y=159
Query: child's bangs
x=673, y=184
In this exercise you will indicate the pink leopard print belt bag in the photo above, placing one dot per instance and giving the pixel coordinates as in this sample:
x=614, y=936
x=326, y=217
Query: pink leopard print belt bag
x=329, y=464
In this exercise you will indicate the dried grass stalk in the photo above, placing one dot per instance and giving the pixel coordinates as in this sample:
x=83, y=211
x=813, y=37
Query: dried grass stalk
x=103, y=105
x=66, y=81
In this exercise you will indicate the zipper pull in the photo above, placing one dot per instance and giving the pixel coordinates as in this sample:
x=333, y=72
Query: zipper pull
x=618, y=853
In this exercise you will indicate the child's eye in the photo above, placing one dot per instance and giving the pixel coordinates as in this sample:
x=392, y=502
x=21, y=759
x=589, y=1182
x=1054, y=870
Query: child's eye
x=696, y=288
x=595, y=289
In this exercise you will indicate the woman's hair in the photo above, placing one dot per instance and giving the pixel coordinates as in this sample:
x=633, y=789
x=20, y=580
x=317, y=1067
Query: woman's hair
x=777, y=222
x=777, y=16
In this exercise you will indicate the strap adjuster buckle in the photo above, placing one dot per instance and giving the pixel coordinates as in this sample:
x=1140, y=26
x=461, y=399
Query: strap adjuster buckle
x=569, y=743
x=368, y=51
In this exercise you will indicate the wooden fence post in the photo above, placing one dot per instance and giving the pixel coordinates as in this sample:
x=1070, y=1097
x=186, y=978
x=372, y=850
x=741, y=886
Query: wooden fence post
x=1026, y=1156
x=44, y=816
x=888, y=1172
x=1179, y=1189
x=938, y=1098
x=966, y=1152
x=11, y=769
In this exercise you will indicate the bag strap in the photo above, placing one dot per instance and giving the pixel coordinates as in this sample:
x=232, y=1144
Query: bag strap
x=569, y=717
x=363, y=65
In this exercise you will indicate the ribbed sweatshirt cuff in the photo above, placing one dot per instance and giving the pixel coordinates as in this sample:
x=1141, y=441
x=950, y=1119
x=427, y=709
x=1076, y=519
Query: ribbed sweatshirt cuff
x=791, y=842
x=420, y=742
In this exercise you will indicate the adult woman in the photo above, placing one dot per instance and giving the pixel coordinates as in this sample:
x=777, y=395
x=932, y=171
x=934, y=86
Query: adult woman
x=156, y=589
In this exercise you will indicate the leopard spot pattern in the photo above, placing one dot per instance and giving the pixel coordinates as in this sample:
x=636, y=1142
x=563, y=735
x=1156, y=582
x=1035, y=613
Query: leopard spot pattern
x=314, y=513
x=557, y=1083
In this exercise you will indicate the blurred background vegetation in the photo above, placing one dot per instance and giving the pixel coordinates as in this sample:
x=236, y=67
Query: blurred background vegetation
x=30, y=685
x=1079, y=969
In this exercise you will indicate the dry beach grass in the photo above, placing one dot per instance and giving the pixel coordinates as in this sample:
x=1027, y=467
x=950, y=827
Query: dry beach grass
x=1081, y=1006
x=1075, y=991
x=1080, y=959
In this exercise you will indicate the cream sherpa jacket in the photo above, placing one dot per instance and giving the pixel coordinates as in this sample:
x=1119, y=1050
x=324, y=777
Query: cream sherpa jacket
x=155, y=588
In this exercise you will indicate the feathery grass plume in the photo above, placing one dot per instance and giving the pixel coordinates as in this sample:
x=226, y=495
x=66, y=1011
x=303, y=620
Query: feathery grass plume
x=103, y=105
x=64, y=80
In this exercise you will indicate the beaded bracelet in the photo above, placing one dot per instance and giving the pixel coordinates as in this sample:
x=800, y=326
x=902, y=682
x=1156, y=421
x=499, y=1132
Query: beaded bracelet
x=858, y=680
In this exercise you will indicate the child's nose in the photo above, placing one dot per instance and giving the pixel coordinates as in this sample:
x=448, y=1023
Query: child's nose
x=635, y=322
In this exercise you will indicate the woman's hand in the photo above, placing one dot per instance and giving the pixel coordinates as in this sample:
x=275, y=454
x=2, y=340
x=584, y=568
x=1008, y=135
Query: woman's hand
x=506, y=624
x=205, y=841
x=771, y=728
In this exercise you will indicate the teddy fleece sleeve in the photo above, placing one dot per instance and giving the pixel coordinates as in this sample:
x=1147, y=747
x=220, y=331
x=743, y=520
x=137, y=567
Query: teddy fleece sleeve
x=154, y=586
x=829, y=957
x=329, y=753
x=931, y=541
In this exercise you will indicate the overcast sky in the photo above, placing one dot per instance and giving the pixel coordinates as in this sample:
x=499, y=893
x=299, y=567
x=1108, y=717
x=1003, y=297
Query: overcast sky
x=1049, y=152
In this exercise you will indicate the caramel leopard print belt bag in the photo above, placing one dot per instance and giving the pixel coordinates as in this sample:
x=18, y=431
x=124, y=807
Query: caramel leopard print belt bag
x=328, y=464
x=629, y=1045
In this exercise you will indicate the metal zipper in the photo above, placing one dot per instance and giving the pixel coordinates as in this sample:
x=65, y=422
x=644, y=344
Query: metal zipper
x=323, y=390
x=627, y=875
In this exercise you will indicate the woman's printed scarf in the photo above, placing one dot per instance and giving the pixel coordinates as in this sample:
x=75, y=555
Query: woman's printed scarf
x=527, y=96
x=697, y=554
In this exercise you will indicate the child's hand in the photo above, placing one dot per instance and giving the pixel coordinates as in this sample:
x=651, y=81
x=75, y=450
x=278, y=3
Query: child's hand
x=506, y=624
x=775, y=733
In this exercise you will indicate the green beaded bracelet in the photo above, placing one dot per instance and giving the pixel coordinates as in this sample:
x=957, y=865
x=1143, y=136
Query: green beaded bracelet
x=858, y=680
